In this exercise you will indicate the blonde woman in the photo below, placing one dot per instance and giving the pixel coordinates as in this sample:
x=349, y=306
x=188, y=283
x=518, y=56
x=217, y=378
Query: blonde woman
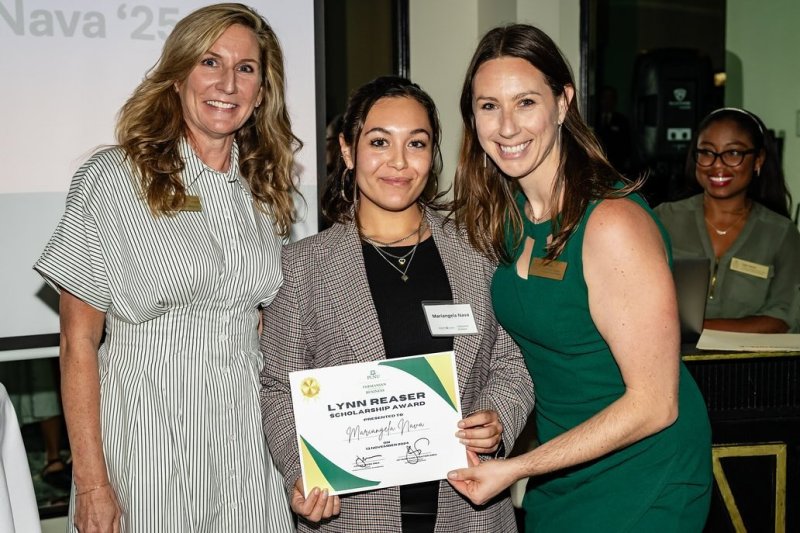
x=170, y=244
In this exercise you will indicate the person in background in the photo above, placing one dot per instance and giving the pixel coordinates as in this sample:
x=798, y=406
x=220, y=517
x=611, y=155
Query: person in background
x=740, y=221
x=584, y=286
x=353, y=293
x=170, y=244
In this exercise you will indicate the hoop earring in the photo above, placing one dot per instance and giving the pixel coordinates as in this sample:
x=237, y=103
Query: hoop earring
x=342, y=193
x=485, y=164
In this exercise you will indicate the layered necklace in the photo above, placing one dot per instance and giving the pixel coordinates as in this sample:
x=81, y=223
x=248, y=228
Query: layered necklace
x=723, y=232
x=405, y=259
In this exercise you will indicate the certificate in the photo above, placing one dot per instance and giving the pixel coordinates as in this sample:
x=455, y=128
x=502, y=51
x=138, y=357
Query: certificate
x=378, y=424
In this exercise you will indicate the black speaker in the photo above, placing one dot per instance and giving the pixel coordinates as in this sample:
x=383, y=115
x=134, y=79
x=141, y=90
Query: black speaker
x=672, y=92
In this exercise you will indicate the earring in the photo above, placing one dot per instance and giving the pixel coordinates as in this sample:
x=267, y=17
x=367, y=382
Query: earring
x=485, y=164
x=758, y=171
x=346, y=174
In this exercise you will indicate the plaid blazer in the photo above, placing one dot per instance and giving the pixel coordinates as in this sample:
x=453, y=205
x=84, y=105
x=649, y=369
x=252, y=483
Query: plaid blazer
x=324, y=315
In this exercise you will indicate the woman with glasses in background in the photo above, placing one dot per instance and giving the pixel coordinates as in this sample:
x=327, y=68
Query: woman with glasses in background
x=741, y=223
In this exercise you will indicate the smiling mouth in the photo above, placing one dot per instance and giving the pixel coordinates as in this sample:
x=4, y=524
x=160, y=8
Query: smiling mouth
x=720, y=180
x=396, y=181
x=220, y=105
x=512, y=150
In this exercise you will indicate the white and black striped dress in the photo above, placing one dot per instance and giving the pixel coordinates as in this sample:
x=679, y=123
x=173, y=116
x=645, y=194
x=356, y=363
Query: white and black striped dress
x=179, y=388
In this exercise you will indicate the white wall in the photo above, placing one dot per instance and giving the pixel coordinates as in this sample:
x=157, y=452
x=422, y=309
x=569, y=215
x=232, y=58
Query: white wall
x=444, y=34
x=762, y=41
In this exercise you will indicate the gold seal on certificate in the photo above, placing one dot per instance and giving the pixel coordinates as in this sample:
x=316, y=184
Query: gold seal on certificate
x=379, y=424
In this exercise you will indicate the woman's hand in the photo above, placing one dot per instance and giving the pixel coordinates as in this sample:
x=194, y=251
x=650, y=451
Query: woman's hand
x=98, y=511
x=318, y=506
x=481, y=431
x=482, y=481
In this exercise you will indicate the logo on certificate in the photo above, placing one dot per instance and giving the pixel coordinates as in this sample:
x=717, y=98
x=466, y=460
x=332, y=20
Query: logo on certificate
x=309, y=387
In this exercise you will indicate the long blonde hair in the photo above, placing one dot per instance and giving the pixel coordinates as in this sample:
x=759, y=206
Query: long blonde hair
x=151, y=124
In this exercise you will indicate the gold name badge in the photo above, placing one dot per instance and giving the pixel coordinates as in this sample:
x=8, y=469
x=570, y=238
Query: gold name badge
x=192, y=203
x=750, y=268
x=547, y=269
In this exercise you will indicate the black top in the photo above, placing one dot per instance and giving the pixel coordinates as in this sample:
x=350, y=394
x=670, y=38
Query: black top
x=405, y=330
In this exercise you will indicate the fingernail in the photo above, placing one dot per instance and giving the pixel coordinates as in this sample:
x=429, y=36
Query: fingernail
x=452, y=475
x=462, y=441
x=461, y=423
x=461, y=434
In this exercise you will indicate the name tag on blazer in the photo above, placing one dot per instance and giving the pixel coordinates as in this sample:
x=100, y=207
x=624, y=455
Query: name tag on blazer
x=750, y=268
x=447, y=319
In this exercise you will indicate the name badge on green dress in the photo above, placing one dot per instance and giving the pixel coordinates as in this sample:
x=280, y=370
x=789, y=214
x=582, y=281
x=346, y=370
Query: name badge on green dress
x=750, y=268
x=548, y=269
x=192, y=203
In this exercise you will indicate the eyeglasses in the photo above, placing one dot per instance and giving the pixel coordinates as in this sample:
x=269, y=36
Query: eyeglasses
x=730, y=158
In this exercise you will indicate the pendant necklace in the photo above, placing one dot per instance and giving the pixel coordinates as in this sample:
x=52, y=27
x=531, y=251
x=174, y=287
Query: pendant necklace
x=401, y=259
x=402, y=271
x=723, y=232
x=536, y=220
x=405, y=259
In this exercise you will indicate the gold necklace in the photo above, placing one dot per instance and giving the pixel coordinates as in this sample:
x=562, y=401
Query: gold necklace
x=417, y=230
x=723, y=232
x=402, y=260
x=536, y=220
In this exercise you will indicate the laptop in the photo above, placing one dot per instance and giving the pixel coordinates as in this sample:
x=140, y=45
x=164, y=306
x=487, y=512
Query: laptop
x=691, y=285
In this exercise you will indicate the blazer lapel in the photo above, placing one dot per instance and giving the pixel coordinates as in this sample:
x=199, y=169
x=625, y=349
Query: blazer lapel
x=464, y=271
x=345, y=279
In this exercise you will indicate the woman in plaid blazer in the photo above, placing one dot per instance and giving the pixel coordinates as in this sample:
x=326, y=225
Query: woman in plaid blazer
x=352, y=294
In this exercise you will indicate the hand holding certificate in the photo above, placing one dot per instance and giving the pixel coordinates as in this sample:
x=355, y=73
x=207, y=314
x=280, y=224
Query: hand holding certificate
x=378, y=424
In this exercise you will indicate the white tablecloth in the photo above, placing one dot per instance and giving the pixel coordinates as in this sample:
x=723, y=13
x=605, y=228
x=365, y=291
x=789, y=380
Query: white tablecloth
x=18, y=511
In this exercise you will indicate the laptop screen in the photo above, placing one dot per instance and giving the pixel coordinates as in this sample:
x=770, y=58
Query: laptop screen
x=691, y=285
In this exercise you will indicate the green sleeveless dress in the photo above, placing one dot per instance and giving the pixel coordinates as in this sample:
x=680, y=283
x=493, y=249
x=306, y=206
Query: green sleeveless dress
x=661, y=483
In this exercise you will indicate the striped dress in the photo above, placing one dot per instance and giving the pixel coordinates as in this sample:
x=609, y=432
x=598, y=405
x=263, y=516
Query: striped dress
x=179, y=366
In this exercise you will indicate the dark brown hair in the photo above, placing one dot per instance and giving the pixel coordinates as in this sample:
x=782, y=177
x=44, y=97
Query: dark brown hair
x=338, y=198
x=484, y=198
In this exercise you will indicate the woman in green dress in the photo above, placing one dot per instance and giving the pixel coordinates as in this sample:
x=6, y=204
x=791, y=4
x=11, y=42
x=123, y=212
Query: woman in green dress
x=584, y=286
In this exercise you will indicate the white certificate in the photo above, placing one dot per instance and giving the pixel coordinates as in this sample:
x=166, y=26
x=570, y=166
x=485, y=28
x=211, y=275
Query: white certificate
x=379, y=424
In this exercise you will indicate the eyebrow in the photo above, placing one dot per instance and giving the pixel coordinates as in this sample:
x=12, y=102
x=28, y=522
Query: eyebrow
x=378, y=129
x=515, y=97
x=729, y=145
x=245, y=60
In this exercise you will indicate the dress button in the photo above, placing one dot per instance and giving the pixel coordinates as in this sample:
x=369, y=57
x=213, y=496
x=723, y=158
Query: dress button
x=226, y=369
x=223, y=337
x=232, y=437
